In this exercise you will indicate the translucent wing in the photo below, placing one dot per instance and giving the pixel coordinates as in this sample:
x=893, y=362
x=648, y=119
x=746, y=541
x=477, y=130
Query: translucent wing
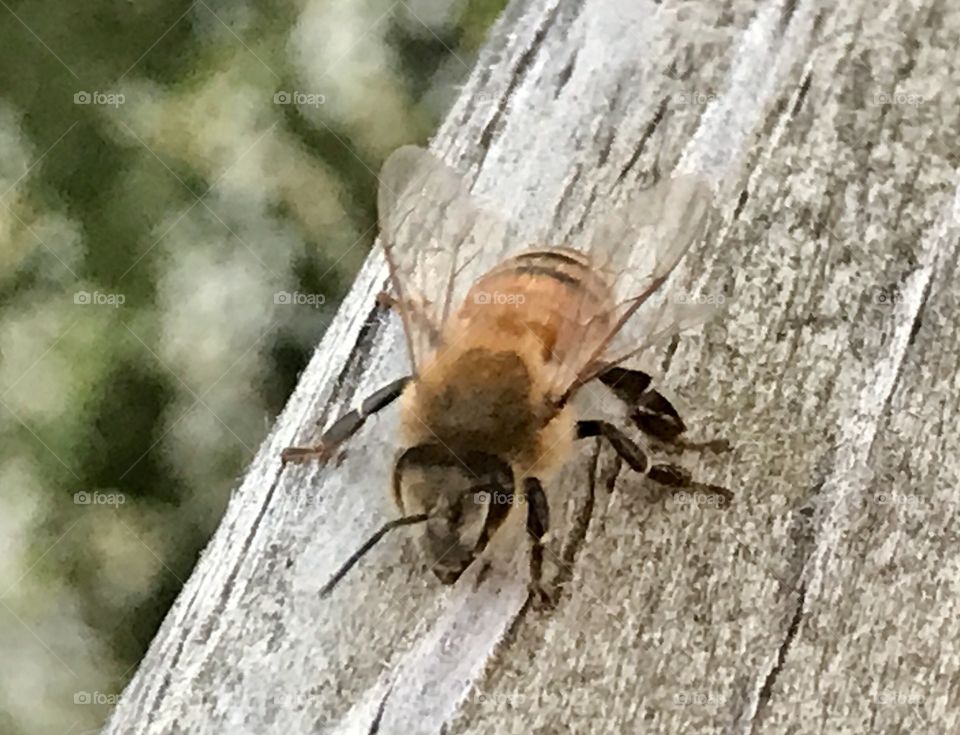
x=431, y=228
x=637, y=246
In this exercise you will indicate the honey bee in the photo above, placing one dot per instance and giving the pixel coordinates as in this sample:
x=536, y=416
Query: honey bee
x=486, y=416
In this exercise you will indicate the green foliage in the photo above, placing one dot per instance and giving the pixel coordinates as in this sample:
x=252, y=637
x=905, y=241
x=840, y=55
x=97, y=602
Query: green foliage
x=154, y=200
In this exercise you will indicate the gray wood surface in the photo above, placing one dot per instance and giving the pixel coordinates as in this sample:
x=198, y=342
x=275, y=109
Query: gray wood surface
x=825, y=600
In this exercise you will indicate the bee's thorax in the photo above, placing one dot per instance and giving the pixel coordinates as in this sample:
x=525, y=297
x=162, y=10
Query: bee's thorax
x=477, y=398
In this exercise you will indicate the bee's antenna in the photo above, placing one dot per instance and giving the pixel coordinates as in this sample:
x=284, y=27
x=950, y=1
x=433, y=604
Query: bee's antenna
x=370, y=543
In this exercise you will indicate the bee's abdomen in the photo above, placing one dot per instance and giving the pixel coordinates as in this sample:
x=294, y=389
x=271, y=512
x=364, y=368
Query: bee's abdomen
x=555, y=293
x=548, y=268
x=562, y=264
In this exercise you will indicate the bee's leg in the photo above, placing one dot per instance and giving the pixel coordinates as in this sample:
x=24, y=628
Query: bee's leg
x=387, y=300
x=347, y=425
x=663, y=473
x=416, y=309
x=653, y=414
x=538, y=523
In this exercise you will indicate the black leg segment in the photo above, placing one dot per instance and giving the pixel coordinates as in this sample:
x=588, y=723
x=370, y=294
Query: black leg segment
x=652, y=413
x=628, y=450
x=629, y=385
x=656, y=416
x=538, y=511
x=674, y=476
x=663, y=473
x=538, y=523
x=348, y=424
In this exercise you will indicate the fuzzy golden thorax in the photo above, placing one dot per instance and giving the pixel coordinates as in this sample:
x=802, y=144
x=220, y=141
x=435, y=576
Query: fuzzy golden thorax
x=487, y=394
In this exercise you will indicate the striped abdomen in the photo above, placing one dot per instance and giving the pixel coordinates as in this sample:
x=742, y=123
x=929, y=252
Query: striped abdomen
x=554, y=293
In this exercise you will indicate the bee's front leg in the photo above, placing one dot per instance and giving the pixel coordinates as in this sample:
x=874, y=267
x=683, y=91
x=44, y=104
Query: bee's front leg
x=538, y=523
x=664, y=473
x=347, y=425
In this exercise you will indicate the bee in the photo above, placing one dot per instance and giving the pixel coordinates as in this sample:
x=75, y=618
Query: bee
x=486, y=416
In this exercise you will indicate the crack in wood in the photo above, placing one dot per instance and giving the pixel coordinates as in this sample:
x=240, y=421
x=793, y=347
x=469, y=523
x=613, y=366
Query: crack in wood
x=741, y=203
x=915, y=325
x=345, y=384
x=802, y=94
x=805, y=534
x=767, y=689
x=564, y=197
x=524, y=63
x=359, y=354
x=605, y=148
x=565, y=74
x=375, y=725
x=642, y=143
x=162, y=689
x=789, y=8
x=918, y=317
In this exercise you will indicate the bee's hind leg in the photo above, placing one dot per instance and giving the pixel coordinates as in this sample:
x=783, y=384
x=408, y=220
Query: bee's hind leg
x=538, y=523
x=653, y=414
x=347, y=425
x=666, y=474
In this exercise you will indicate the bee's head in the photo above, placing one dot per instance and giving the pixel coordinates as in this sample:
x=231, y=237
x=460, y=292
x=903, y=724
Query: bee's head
x=465, y=496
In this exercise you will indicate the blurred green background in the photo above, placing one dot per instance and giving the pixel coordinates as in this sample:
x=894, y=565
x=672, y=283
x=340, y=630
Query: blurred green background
x=169, y=172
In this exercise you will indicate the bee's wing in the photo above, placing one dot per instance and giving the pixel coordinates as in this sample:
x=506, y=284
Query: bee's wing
x=431, y=227
x=638, y=245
